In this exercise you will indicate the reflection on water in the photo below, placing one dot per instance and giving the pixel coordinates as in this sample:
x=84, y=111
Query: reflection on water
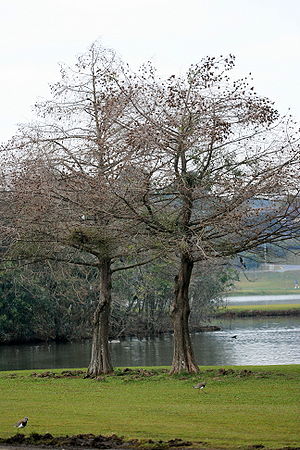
x=259, y=341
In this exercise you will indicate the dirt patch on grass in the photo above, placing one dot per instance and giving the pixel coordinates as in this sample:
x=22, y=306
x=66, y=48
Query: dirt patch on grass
x=242, y=373
x=90, y=441
x=129, y=374
x=37, y=441
x=63, y=374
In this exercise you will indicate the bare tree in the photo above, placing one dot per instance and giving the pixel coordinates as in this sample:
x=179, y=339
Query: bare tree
x=221, y=171
x=61, y=203
x=197, y=168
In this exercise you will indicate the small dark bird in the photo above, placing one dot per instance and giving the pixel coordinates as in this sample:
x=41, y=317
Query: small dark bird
x=242, y=263
x=22, y=423
x=234, y=337
x=199, y=386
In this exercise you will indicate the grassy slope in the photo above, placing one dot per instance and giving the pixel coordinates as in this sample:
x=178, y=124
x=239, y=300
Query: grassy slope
x=235, y=410
x=268, y=283
x=260, y=310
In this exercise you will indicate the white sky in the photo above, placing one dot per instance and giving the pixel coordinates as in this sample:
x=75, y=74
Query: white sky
x=35, y=35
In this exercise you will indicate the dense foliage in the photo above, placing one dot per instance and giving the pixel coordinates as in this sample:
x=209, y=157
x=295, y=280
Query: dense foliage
x=42, y=303
x=39, y=304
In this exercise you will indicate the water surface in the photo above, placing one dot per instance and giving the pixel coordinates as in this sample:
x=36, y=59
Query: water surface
x=263, y=299
x=258, y=341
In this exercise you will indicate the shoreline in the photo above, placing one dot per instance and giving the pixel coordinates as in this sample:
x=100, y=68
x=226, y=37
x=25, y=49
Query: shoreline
x=228, y=312
x=259, y=310
x=193, y=329
x=258, y=313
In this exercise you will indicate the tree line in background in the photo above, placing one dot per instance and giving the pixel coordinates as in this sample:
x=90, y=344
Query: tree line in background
x=56, y=303
x=124, y=169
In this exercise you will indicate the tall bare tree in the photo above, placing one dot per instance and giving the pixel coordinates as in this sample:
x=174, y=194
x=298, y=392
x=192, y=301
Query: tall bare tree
x=221, y=171
x=61, y=203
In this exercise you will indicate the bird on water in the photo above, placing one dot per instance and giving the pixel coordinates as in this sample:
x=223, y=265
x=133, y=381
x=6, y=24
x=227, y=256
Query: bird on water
x=199, y=385
x=21, y=423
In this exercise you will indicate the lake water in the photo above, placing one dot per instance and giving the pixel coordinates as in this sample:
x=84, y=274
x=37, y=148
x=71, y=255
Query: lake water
x=259, y=341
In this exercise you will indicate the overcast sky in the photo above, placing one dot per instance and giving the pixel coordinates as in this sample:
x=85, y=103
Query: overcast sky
x=35, y=35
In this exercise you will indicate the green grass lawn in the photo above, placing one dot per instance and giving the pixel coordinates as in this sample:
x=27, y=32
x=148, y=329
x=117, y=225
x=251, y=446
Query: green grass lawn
x=236, y=409
x=260, y=283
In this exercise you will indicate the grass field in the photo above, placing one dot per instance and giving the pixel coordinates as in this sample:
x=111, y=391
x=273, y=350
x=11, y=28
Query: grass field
x=276, y=308
x=237, y=409
x=260, y=310
x=268, y=283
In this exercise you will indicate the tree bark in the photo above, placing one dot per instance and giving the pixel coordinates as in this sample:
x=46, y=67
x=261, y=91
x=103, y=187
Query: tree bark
x=183, y=356
x=100, y=362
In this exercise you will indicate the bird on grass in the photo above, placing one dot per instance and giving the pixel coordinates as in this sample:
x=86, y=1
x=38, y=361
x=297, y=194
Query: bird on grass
x=199, y=385
x=21, y=423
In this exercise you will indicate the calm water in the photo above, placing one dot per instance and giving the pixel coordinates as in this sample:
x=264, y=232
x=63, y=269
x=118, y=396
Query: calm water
x=264, y=299
x=259, y=341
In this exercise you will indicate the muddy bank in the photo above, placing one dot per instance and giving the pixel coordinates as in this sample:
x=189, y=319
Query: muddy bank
x=89, y=441
x=37, y=441
x=231, y=314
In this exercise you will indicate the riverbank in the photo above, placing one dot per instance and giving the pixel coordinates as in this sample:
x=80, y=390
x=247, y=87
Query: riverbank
x=232, y=311
x=239, y=407
x=169, y=331
x=229, y=311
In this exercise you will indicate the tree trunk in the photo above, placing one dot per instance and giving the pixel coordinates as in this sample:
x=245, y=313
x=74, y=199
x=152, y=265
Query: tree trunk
x=183, y=356
x=100, y=362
